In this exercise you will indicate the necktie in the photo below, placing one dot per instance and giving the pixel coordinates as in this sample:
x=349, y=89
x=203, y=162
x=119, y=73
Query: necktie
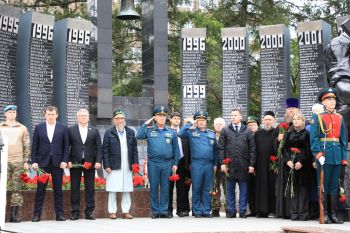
x=236, y=126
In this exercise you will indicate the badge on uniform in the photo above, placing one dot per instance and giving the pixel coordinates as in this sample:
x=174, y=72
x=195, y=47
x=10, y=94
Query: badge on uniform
x=154, y=134
x=196, y=135
x=168, y=140
x=211, y=141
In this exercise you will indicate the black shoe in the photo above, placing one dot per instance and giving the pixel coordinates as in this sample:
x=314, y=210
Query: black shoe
x=171, y=214
x=14, y=211
x=75, y=216
x=60, y=218
x=36, y=218
x=165, y=216
x=90, y=217
x=230, y=214
x=207, y=216
x=242, y=215
x=215, y=213
x=261, y=215
x=252, y=215
x=154, y=216
x=186, y=213
x=197, y=215
x=332, y=215
x=180, y=214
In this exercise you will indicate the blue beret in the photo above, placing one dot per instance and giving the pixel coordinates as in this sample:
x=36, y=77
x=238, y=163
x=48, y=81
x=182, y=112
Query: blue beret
x=327, y=93
x=200, y=114
x=161, y=110
x=10, y=107
x=292, y=103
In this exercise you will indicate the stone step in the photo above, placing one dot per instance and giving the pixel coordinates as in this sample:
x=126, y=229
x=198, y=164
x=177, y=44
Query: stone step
x=299, y=229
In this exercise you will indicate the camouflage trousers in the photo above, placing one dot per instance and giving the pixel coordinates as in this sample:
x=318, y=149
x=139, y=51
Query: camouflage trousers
x=14, y=183
x=220, y=181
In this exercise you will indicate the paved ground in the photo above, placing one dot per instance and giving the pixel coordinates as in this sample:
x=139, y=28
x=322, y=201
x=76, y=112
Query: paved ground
x=176, y=224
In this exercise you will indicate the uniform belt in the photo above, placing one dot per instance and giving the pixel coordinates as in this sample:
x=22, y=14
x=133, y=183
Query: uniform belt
x=329, y=139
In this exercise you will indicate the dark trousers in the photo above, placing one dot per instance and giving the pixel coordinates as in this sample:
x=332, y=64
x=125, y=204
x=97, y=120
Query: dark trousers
x=182, y=201
x=231, y=196
x=251, y=193
x=89, y=183
x=331, y=178
x=56, y=174
x=300, y=203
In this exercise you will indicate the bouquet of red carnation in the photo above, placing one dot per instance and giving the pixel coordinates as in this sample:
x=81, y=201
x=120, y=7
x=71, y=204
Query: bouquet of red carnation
x=214, y=190
x=282, y=129
x=24, y=177
x=86, y=165
x=135, y=168
x=274, y=163
x=188, y=182
x=42, y=176
x=174, y=177
x=100, y=183
x=290, y=181
x=342, y=196
x=227, y=162
x=138, y=181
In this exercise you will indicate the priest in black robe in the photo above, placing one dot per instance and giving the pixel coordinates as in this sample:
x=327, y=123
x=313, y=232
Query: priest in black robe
x=265, y=170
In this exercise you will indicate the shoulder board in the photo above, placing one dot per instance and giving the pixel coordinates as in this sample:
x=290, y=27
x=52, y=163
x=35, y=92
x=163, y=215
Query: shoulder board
x=338, y=114
x=210, y=130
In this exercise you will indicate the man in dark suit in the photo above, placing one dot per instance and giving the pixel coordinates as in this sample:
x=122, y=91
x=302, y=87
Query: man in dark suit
x=50, y=153
x=85, y=146
x=237, y=143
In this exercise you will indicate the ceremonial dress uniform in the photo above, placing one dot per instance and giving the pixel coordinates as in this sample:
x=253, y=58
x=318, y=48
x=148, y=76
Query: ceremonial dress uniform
x=203, y=157
x=328, y=139
x=162, y=153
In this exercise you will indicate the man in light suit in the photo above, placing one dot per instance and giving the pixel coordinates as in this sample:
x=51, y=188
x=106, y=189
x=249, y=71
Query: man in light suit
x=85, y=146
x=50, y=153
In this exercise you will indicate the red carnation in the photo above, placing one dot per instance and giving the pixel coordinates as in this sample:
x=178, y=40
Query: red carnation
x=273, y=158
x=87, y=165
x=135, y=168
x=188, y=181
x=174, y=177
x=342, y=198
x=138, y=180
x=284, y=125
x=295, y=150
x=24, y=177
x=43, y=178
x=227, y=161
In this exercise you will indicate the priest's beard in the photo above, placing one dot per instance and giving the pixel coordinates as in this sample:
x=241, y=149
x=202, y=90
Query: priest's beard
x=267, y=127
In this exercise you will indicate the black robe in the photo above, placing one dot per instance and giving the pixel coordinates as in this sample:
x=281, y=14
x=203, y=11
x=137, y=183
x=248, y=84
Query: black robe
x=265, y=177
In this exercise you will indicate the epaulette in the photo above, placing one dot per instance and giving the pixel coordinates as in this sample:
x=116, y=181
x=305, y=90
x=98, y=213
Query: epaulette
x=338, y=114
x=210, y=130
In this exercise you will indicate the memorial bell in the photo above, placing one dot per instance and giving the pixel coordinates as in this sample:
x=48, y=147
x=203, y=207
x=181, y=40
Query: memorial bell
x=127, y=11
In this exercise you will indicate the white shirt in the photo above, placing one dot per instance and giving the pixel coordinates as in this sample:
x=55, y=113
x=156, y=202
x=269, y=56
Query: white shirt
x=50, y=128
x=83, y=132
x=180, y=144
x=239, y=126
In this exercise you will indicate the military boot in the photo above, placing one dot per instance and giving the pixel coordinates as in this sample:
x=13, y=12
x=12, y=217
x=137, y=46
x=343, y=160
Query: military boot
x=325, y=211
x=333, y=204
x=14, y=211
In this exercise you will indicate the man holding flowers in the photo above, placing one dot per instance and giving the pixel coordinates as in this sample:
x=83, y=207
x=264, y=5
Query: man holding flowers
x=237, y=142
x=85, y=155
x=119, y=155
x=50, y=154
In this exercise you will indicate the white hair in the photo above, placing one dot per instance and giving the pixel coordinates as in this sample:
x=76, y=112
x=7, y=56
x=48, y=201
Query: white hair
x=219, y=120
x=317, y=108
x=82, y=110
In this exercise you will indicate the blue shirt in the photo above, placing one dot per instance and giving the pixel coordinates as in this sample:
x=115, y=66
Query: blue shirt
x=202, y=143
x=162, y=144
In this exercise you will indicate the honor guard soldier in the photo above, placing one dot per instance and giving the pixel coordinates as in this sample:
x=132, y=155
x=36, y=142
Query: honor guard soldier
x=329, y=146
x=163, y=154
x=202, y=143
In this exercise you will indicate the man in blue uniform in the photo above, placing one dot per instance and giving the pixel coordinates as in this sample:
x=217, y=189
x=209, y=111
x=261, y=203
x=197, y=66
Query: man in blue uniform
x=202, y=143
x=329, y=146
x=163, y=155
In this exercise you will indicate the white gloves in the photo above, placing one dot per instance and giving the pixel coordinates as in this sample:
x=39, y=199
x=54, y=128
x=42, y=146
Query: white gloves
x=321, y=160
